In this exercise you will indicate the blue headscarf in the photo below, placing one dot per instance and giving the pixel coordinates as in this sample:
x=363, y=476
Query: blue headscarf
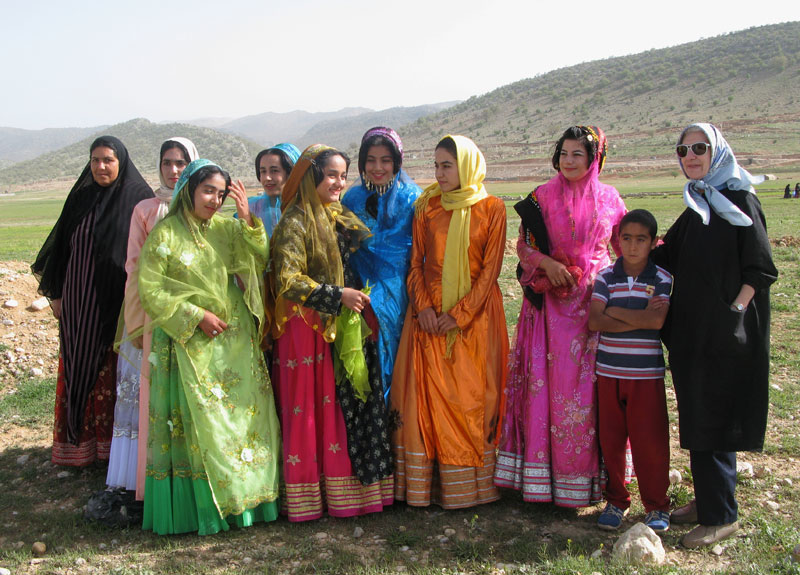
x=186, y=174
x=267, y=208
x=724, y=172
x=383, y=259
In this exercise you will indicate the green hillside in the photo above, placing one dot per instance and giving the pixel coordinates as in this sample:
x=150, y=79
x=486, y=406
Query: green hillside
x=143, y=140
x=747, y=82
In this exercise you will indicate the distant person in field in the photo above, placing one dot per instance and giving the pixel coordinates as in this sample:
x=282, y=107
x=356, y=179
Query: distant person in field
x=717, y=329
x=787, y=193
x=81, y=269
x=128, y=460
x=450, y=370
x=214, y=439
x=384, y=200
x=273, y=167
x=797, y=190
x=549, y=446
x=336, y=450
x=630, y=300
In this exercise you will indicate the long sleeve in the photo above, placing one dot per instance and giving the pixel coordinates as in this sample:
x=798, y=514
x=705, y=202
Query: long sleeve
x=418, y=293
x=758, y=269
x=472, y=303
x=134, y=314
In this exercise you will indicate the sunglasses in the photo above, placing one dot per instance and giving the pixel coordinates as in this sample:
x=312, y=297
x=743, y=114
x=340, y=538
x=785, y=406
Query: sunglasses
x=698, y=149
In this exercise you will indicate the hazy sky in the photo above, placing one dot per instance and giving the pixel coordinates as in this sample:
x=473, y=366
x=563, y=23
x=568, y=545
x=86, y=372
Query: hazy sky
x=85, y=63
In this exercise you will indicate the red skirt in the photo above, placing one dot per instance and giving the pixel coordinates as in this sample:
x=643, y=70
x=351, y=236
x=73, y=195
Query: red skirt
x=94, y=441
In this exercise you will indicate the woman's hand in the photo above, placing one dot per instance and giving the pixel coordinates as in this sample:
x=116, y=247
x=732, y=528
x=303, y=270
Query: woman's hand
x=55, y=305
x=445, y=323
x=428, y=321
x=354, y=299
x=556, y=272
x=239, y=195
x=211, y=325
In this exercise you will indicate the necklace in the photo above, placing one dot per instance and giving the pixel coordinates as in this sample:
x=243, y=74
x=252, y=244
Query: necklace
x=382, y=189
x=203, y=227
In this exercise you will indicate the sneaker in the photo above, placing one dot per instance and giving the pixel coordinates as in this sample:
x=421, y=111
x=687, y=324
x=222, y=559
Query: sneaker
x=686, y=513
x=658, y=521
x=611, y=517
x=704, y=535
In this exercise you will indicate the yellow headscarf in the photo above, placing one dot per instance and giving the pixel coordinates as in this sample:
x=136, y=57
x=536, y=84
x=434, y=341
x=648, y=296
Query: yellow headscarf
x=456, y=280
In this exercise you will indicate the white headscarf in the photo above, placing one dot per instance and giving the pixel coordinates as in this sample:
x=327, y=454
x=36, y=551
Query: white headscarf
x=164, y=192
x=724, y=172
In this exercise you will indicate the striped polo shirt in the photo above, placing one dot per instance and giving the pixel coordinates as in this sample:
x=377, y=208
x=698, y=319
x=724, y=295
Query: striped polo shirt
x=634, y=354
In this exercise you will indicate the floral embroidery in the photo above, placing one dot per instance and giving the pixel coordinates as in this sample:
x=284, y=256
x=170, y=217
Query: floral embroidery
x=163, y=250
x=334, y=448
x=247, y=455
x=153, y=358
x=217, y=391
x=293, y=459
x=308, y=360
x=187, y=258
x=297, y=410
x=291, y=363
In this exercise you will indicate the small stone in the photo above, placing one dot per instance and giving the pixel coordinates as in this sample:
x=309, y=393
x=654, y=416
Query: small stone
x=64, y=474
x=762, y=471
x=36, y=372
x=247, y=560
x=775, y=387
x=11, y=303
x=102, y=546
x=80, y=561
x=675, y=477
x=744, y=468
x=402, y=529
x=772, y=505
x=449, y=532
x=23, y=459
x=786, y=481
x=8, y=322
x=320, y=536
x=39, y=548
x=443, y=539
x=39, y=304
x=115, y=541
x=4, y=571
x=597, y=554
x=19, y=545
x=717, y=550
x=639, y=544
x=358, y=532
x=404, y=548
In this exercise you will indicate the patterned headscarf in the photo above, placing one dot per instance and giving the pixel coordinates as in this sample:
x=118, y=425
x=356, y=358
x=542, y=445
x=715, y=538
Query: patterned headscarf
x=387, y=133
x=306, y=233
x=724, y=172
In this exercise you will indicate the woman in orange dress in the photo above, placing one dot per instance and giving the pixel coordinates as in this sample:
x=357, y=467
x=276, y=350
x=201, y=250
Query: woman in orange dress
x=450, y=368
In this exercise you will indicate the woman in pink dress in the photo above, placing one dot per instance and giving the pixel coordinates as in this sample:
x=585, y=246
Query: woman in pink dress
x=549, y=447
x=175, y=155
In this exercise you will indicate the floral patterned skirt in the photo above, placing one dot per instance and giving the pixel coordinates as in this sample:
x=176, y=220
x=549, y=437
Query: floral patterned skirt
x=317, y=469
x=94, y=441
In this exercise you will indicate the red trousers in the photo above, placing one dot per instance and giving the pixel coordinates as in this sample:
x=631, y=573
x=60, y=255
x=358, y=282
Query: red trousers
x=635, y=409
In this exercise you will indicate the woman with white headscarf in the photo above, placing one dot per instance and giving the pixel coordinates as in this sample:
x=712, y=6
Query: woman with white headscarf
x=126, y=466
x=717, y=330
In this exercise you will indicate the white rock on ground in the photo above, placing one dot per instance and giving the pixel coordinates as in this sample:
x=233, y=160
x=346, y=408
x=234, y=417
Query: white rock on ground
x=4, y=571
x=675, y=477
x=358, y=532
x=11, y=303
x=744, y=468
x=639, y=544
x=39, y=304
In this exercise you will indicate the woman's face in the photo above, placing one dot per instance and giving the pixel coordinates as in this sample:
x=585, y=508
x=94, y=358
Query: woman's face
x=573, y=161
x=208, y=196
x=379, y=166
x=271, y=174
x=172, y=165
x=333, y=181
x=695, y=166
x=446, y=170
x=104, y=165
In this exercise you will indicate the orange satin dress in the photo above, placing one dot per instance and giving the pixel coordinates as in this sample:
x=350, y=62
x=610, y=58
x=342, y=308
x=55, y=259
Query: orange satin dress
x=448, y=410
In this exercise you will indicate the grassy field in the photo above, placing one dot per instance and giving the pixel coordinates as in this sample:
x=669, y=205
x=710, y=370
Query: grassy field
x=505, y=537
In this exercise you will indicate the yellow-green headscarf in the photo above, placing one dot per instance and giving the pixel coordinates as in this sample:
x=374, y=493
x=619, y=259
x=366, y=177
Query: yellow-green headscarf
x=456, y=280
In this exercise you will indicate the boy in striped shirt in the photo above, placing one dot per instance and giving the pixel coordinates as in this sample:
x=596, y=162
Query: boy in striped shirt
x=630, y=301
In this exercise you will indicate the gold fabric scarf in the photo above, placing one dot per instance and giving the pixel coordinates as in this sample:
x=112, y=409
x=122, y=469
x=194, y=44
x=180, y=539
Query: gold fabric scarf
x=456, y=280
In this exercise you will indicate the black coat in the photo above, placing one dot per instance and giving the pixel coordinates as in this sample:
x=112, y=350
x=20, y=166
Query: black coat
x=719, y=358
